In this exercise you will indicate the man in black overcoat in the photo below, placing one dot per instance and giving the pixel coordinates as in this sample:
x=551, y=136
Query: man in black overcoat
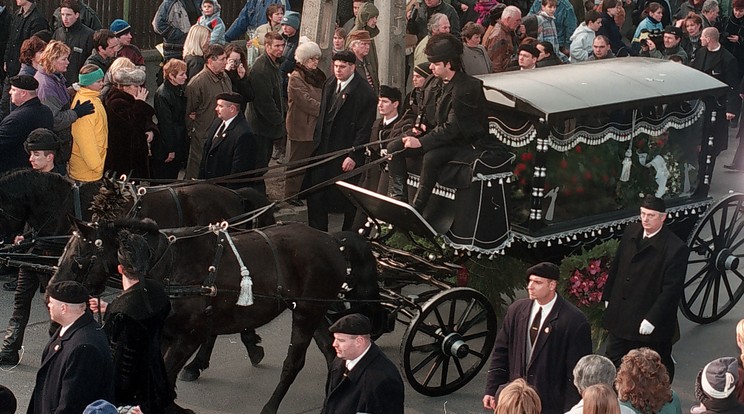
x=14, y=128
x=76, y=366
x=361, y=379
x=229, y=146
x=542, y=339
x=347, y=110
x=716, y=61
x=645, y=286
x=453, y=118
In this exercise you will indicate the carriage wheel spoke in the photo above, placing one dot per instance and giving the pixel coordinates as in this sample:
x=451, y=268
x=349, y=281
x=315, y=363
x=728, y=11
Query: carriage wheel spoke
x=423, y=363
x=439, y=318
x=458, y=365
x=704, y=244
x=716, y=291
x=424, y=348
x=445, y=370
x=694, y=261
x=478, y=318
x=696, y=276
x=475, y=336
x=708, y=286
x=738, y=274
x=451, y=320
x=736, y=245
x=430, y=330
x=465, y=315
x=476, y=354
x=432, y=370
x=727, y=285
x=730, y=233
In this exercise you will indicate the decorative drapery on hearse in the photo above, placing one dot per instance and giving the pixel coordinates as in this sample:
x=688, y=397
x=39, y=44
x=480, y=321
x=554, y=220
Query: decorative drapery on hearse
x=592, y=139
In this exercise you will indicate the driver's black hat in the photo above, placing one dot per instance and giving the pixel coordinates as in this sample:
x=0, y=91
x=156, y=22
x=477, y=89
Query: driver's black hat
x=41, y=139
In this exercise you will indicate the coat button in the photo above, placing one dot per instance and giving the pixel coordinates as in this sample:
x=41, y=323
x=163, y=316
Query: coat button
x=627, y=279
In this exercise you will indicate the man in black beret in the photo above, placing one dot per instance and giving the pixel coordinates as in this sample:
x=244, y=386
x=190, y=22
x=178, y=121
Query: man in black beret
x=361, y=378
x=29, y=114
x=527, y=57
x=347, y=111
x=76, y=366
x=229, y=146
x=453, y=118
x=542, y=339
x=42, y=145
x=673, y=36
x=645, y=286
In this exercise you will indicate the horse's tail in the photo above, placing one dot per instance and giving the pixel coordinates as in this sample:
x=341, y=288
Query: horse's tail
x=253, y=200
x=362, y=281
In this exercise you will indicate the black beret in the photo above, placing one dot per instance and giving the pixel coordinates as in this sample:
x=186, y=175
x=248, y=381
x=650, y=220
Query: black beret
x=346, y=56
x=652, y=202
x=25, y=82
x=531, y=49
x=354, y=324
x=545, y=269
x=443, y=47
x=41, y=139
x=391, y=93
x=677, y=31
x=233, y=97
x=44, y=35
x=68, y=292
x=423, y=69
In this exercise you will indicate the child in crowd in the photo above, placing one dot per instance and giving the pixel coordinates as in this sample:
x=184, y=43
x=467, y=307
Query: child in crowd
x=546, y=30
x=583, y=37
x=89, y=133
x=210, y=19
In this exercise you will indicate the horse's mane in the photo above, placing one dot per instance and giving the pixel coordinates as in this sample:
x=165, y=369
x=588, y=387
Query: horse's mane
x=147, y=226
x=110, y=201
x=19, y=181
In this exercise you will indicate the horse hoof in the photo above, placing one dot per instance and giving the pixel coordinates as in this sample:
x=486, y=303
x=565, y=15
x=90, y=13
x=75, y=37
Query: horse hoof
x=256, y=354
x=189, y=374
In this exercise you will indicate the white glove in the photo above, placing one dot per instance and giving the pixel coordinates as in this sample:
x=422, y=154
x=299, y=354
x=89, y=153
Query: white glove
x=607, y=303
x=646, y=328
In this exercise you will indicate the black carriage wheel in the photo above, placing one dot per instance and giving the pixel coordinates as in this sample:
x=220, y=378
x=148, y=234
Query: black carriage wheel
x=715, y=279
x=448, y=342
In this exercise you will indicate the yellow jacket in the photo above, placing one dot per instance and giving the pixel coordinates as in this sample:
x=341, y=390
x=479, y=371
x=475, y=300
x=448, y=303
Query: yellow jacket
x=89, y=139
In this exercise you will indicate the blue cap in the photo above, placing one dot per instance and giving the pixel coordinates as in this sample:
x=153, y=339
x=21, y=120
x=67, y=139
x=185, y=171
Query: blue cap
x=120, y=27
x=291, y=18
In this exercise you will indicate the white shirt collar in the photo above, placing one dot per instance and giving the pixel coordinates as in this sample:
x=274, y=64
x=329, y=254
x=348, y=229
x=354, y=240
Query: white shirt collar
x=387, y=122
x=648, y=236
x=228, y=121
x=545, y=310
x=345, y=83
x=350, y=364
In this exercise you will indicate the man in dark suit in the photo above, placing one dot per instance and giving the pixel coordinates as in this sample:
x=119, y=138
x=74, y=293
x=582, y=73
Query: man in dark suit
x=229, y=146
x=644, y=287
x=542, y=339
x=347, y=110
x=76, y=366
x=29, y=115
x=453, y=118
x=716, y=61
x=361, y=379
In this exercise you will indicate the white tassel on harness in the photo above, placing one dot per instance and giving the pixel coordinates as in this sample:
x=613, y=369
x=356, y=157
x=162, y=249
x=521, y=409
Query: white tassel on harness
x=245, y=298
x=627, y=162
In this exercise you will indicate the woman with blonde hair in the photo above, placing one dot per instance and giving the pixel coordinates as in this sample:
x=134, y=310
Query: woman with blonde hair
x=193, y=49
x=518, y=398
x=170, y=151
x=90, y=133
x=600, y=399
x=52, y=92
x=643, y=384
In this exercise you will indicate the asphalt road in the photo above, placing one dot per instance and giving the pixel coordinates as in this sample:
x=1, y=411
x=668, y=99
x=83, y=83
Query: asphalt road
x=232, y=385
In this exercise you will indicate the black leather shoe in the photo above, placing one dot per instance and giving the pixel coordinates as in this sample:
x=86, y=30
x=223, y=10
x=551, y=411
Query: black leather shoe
x=9, y=358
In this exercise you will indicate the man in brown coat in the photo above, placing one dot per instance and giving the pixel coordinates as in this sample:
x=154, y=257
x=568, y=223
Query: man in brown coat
x=500, y=40
x=201, y=94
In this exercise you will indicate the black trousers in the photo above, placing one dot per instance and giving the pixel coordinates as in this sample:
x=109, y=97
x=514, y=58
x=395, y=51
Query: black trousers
x=617, y=348
x=29, y=283
x=264, y=146
x=328, y=200
x=433, y=162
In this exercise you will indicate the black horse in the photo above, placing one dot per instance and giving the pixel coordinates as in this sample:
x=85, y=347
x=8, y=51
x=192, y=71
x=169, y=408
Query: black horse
x=292, y=266
x=45, y=201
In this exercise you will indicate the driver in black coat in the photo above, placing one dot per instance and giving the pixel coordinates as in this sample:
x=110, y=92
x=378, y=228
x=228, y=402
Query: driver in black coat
x=361, y=379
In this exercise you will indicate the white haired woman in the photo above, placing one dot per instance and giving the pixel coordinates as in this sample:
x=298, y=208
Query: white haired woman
x=304, y=94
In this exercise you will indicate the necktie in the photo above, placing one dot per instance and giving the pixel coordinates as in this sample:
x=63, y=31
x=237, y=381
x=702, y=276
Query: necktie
x=369, y=78
x=535, y=327
x=219, y=132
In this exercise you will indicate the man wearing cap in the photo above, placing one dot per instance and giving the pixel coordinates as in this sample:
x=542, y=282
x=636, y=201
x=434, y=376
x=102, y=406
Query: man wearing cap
x=201, y=94
x=361, y=378
x=542, y=339
x=644, y=287
x=76, y=365
x=76, y=35
x=360, y=43
x=527, y=57
x=14, y=128
x=123, y=32
x=453, y=119
x=347, y=110
x=42, y=145
x=267, y=115
x=672, y=38
x=716, y=386
x=229, y=146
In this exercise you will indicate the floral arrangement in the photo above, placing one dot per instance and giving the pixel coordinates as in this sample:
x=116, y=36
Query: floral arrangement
x=583, y=277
